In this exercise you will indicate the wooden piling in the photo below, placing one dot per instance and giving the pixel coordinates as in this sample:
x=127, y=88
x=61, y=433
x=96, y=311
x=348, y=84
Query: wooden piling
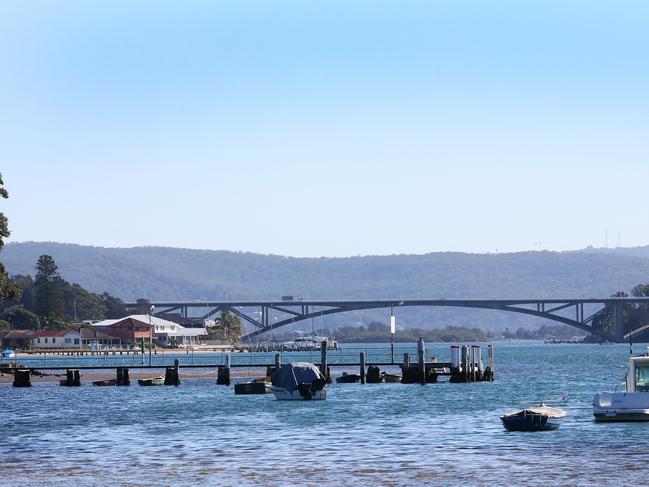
x=465, y=364
x=323, y=359
x=123, y=378
x=72, y=378
x=172, y=377
x=362, y=361
x=270, y=370
x=223, y=378
x=406, y=360
x=421, y=351
x=489, y=371
x=23, y=378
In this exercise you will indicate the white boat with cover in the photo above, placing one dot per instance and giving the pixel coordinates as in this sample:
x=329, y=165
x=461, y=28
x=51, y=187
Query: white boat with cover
x=632, y=405
x=298, y=381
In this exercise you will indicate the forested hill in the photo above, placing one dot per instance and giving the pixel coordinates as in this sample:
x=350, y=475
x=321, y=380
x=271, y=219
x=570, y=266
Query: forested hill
x=161, y=273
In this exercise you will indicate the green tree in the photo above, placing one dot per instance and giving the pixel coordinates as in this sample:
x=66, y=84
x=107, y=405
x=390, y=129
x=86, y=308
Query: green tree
x=7, y=289
x=228, y=327
x=142, y=307
x=19, y=317
x=48, y=284
x=81, y=304
x=115, y=307
x=26, y=298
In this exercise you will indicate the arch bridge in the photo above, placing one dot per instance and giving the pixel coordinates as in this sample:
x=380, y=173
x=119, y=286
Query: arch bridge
x=266, y=316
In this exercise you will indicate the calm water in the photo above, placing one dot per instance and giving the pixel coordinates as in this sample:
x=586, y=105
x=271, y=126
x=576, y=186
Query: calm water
x=387, y=434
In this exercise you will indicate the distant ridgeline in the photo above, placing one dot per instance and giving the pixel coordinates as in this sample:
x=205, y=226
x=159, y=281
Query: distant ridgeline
x=160, y=273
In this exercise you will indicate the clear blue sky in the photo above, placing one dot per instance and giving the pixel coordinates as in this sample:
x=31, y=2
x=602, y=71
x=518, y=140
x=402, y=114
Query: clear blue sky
x=315, y=128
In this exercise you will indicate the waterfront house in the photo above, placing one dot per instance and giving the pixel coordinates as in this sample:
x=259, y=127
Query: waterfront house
x=165, y=333
x=92, y=337
x=129, y=331
x=56, y=339
x=16, y=338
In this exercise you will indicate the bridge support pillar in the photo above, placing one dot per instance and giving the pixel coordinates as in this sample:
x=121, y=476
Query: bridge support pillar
x=618, y=321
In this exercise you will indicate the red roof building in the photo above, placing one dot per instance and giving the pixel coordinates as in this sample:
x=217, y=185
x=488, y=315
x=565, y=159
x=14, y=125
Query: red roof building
x=129, y=330
x=16, y=338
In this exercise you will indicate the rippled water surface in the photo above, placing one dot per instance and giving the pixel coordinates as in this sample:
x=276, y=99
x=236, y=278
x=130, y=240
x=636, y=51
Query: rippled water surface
x=373, y=434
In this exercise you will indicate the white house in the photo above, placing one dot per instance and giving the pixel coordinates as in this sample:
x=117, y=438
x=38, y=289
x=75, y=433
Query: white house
x=56, y=339
x=166, y=332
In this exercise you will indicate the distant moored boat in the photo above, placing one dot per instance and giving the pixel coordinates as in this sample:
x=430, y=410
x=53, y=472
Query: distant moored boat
x=532, y=419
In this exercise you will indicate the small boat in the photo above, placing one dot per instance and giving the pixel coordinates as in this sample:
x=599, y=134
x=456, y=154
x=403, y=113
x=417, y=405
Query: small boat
x=631, y=405
x=390, y=377
x=107, y=382
x=257, y=386
x=298, y=381
x=152, y=381
x=8, y=353
x=348, y=378
x=532, y=419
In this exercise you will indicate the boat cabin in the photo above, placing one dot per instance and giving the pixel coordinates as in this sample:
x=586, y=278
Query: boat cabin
x=637, y=379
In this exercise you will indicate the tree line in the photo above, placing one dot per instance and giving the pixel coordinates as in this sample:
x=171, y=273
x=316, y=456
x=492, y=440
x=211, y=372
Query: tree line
x=49, y=301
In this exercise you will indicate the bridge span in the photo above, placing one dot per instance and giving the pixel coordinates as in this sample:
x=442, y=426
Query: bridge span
x=265, y=316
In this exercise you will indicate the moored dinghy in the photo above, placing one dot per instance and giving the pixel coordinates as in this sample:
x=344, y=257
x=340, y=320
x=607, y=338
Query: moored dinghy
x=152, y=381
x=538, y=418
x=348, y=378
x=298, y=381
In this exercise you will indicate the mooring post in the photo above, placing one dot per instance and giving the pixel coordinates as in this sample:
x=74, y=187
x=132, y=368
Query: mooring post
x=421, y=351
x=490, y=363
x=172, y=377
x=123, y=378
x=406, y=360
x=223, y=378
x=72, y=378
x=471, y=363
x=465, y=364
x=362, y=360
x=455, y=362
x=478, y=363
x=23, y=378
x=323, y=359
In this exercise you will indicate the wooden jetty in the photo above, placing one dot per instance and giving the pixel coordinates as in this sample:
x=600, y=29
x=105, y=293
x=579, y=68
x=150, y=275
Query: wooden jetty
x=466, y=366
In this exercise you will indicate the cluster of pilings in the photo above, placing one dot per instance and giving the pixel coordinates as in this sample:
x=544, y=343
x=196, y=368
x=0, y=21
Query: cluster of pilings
x=467, y=365
x=23, y=377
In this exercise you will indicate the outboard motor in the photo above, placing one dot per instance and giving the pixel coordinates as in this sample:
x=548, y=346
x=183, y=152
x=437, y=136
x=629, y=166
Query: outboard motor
x=305, y=390
x=318, y=385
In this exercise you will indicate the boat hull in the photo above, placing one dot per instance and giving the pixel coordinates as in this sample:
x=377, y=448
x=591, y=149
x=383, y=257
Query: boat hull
x=157, y=381
x=252, y=388
x=282, y=394
x=528, y=422
x=348, y=379
x=620, y=416
x=391, y=378
x=621, y=406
